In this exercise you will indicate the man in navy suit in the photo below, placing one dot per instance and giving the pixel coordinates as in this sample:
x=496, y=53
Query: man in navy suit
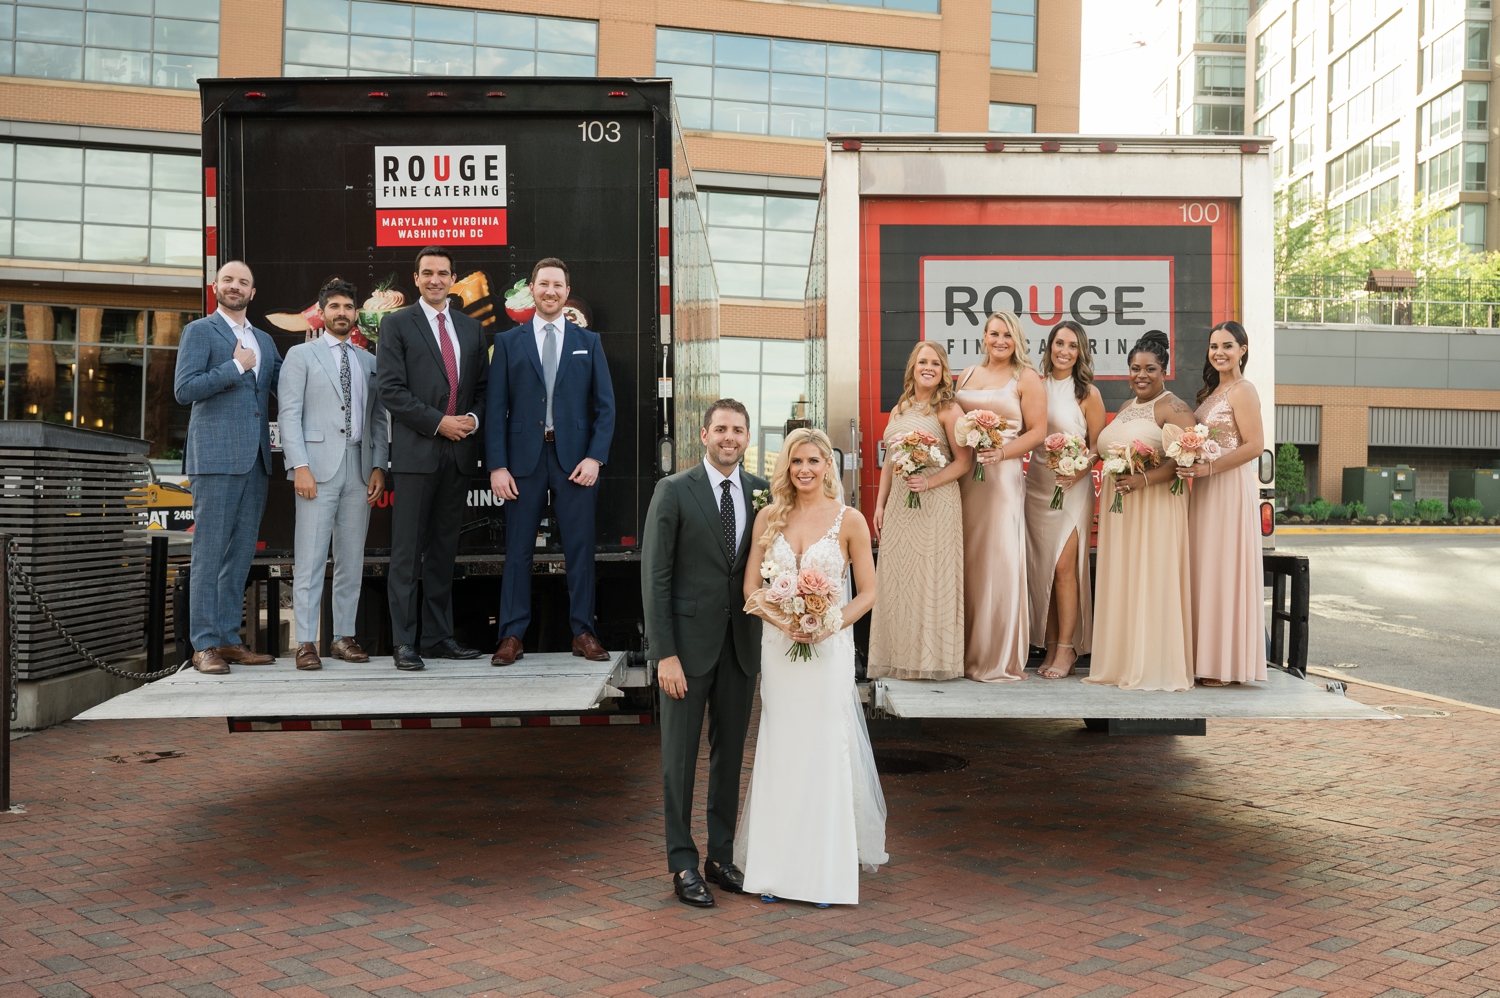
x=227, y=371
x=550, y=418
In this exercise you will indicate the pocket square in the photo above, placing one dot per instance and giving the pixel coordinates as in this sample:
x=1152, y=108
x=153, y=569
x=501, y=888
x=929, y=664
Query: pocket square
x=577, y=352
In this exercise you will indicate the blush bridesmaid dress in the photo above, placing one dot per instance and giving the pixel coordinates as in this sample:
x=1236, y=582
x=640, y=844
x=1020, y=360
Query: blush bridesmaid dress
x=1048, y=529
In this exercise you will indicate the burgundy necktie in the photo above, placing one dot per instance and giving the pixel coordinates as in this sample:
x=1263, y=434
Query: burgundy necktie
x=450, y=364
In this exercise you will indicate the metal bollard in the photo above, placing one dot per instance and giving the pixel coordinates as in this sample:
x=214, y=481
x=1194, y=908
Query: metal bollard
x=156, y=606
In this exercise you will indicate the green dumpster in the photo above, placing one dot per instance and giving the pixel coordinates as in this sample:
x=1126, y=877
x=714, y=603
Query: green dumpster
x=1478, y=483
x=1370, y=486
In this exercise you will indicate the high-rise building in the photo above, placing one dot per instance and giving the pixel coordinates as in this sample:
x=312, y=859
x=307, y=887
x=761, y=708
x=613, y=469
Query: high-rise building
x=1370, y=101
x=101, y=248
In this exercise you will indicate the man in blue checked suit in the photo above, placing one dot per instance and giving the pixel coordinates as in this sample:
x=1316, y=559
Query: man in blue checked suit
x=227, y=371
x=550, y=420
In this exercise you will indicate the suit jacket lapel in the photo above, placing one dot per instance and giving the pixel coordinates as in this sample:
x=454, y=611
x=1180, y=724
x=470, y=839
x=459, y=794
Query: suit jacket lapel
x=424, y=332
x=748, y=485
x=529, y=348
x=572, y=340
x=267, y=345
x=222, y=325
x=325, y=358
x=698, y=479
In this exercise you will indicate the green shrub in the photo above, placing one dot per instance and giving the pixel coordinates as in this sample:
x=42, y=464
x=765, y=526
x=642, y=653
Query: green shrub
x=1320, y=509
x=1430, y=510
x=1291, y=474
x=1357, y=510
x=1298, y=510
x=1466, y=507
x=1339, y=512
x=1400, y=510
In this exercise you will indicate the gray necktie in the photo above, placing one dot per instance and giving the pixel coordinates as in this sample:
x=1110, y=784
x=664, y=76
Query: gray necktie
x=549, y=365
x=345, y=386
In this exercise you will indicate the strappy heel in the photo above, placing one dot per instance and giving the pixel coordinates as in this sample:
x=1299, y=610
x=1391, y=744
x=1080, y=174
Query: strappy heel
x=1047, y=673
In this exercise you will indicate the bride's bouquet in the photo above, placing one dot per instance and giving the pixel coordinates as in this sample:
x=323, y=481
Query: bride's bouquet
x=1191, y=447
x=981, y=429
x=804, y=600
x=1136, y=457
x=1067, y=454
x=915, y=453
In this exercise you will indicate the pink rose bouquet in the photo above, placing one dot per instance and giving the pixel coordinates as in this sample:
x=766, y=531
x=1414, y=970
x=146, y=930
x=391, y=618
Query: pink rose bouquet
x=805, y=599
x=1067, y=454
x=914, y=453
x=981, y=430
x=1136, y=457
x=1191, y=447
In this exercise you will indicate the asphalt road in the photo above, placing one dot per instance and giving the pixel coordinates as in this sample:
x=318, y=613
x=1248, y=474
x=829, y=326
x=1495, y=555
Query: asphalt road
x=1420, y=612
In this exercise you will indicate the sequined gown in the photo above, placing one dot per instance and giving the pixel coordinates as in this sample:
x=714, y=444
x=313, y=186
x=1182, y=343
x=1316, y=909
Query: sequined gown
x=996, y=612
x=1228, y=577
x=1143, y=629
x=1048, y=529
x=917, y=630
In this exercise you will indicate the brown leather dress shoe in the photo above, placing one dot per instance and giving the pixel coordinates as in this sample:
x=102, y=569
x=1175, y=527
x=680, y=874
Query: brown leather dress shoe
x=587, y=646
x=307, y=657
x=348, y=650
x=243, y=655
x=208, y=661
x=509, y=652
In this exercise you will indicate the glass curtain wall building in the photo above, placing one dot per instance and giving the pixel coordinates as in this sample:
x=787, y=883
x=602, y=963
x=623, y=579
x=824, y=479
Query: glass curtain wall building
x=148, y=43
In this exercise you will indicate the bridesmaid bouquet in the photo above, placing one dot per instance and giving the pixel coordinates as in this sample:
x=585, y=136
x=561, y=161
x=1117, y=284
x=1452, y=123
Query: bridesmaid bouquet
x=916, y=452
x=981, y=429
x=1191, y=447
x=804, y=600
x=1067, y=454
x=1129, y=459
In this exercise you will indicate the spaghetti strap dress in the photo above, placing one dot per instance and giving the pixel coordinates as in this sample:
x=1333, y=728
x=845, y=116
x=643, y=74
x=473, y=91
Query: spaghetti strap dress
x=1048, y=529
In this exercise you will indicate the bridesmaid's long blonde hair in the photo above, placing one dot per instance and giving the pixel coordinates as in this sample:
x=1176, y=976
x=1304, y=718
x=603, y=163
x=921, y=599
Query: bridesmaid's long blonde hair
x=1020, y=357
x=783, y=492
x=942, y=395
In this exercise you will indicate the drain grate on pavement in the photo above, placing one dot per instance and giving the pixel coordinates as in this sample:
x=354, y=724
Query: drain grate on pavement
x=909, y=762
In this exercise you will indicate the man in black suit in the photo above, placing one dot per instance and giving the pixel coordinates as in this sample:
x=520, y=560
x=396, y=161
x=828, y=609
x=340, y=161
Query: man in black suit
x=432, y=372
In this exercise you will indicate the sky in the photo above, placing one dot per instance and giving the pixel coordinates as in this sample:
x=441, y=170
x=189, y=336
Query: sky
x=1125, y=52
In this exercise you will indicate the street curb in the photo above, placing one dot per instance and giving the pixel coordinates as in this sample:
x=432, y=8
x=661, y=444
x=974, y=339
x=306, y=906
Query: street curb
x=1302, y=530
x=1345, y=677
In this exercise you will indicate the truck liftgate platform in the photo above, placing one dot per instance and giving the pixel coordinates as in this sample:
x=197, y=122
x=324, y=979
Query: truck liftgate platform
x=539, y=690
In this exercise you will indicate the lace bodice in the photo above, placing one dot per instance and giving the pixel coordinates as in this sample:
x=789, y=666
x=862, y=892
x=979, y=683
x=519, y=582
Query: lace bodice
x=1137, y=409
x=825, y=553
x=1217, y=414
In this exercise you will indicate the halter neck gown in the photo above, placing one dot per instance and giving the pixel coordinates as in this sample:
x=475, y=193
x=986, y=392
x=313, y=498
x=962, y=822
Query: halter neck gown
x=1048, y=529
x=1143, y=629
x=996, y=616
x=1228, y=577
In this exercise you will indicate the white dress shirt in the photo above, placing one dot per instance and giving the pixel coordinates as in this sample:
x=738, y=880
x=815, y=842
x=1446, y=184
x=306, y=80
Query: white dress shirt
x=736, y=496
x=537, y=322
x=247, y=339
x=356, y=384
x=458, y=357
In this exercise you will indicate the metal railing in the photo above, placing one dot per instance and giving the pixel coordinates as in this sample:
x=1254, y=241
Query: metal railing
x=1389, y=312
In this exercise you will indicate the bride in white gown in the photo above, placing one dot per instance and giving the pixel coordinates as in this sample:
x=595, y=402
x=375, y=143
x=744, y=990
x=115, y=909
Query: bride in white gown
x=814, y=813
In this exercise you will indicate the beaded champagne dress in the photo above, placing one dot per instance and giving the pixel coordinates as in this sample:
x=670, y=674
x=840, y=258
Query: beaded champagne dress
x=1228, y=577
x=917, y=630
x=814, y=813
x=1048, y=529
x=1143, y=630
x=996, y=615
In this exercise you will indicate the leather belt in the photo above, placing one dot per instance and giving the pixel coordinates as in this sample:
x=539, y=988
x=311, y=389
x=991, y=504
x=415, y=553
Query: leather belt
x=550, y=436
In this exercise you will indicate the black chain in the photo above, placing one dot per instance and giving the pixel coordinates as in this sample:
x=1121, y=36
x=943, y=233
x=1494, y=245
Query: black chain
x=20, y=580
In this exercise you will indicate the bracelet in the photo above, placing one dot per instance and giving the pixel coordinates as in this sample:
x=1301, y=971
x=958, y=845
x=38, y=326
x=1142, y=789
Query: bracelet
x=1002, y=452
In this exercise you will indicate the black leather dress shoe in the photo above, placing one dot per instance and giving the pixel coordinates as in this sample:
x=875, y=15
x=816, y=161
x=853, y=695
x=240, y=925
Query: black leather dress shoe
x=726, y=875
x=691, y=889
x=407, y=659
x=448, y=648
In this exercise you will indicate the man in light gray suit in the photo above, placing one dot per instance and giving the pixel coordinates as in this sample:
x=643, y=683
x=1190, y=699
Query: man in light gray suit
x=226, y=370
x=334, y=435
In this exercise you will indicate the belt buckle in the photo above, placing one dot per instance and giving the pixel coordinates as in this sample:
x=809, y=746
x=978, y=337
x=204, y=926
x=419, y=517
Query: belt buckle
x=550, y=436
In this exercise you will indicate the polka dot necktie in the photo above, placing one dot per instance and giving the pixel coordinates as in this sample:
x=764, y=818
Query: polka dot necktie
x=726, y=516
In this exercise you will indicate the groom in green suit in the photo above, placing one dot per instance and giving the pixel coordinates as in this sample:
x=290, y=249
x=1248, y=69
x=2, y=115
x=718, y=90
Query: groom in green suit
x=706, y=648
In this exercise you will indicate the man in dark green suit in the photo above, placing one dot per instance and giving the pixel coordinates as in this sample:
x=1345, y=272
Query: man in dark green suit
x=706, y=648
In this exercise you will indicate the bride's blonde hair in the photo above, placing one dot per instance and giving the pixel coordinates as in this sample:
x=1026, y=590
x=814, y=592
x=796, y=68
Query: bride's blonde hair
x=783, y=492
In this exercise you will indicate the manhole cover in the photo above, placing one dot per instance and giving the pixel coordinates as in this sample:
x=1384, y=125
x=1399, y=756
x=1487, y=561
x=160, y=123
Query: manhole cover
x=904, y=762
x=1411, y=710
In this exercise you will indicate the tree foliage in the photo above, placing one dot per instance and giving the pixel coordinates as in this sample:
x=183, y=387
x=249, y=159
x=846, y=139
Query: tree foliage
x=1291, y=475
x=1414, y=236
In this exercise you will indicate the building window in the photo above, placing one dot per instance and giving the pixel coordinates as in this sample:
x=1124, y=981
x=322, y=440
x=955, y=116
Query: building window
x=1373, y=105
x=1464, y=107
x=1013, y=34
x=1476, y=160
x=760, y=86
x=1441, y=12
x=1471, y=225
x=768, y=377
x=1222, y=22
x=165, y=43
x=102, y=205
x=1466, y=46
x=106, y=369
x=1365, y=207
x=760, y=243
x=1214, y=119
x=368, y=38
x=1304, y=58
x=1221, y=76
x=1302, y=148
x=1373, y=155
x=1012, y=118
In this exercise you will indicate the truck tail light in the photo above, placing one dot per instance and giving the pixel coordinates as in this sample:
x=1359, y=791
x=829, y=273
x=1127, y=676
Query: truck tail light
x=1108, y=146
x=495, y=93
x=994, y=146
x=1250, y=147
x=1267, y=519
x=378, y=93
x=437, y=93
x=254, y=93
x=618, y=93
x=1052, y=145
x=852, y=145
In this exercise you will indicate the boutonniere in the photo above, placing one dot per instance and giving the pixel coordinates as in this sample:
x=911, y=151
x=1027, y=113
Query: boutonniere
x=760, y=499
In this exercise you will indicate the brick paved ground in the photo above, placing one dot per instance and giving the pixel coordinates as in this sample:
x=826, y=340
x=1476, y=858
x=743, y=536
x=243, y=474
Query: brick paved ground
x=1267, y=858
